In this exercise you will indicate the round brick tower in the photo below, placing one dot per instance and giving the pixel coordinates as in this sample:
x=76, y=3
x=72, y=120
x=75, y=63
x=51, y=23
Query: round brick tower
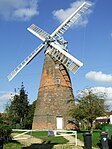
x=54, y=97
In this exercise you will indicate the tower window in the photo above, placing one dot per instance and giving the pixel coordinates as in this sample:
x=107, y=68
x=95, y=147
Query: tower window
x=57, y=81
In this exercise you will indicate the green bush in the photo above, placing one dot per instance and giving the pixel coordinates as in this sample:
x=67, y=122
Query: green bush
x=5, y=131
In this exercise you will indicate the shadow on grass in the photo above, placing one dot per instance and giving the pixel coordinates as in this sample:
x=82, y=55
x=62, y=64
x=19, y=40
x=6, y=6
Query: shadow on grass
x=11, y=141
x=43, y=145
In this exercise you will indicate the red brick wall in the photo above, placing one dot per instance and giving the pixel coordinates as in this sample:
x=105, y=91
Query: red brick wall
x=53, y=99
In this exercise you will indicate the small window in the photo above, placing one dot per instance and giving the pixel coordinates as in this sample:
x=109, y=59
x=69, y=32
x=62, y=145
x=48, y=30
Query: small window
x=57, y=81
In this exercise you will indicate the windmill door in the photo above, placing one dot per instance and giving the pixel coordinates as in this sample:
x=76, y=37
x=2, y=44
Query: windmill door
x=59, y=122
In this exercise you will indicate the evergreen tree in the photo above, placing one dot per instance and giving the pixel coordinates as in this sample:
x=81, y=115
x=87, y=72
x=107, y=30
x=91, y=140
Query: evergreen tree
x=29, y=118
x=19, y=107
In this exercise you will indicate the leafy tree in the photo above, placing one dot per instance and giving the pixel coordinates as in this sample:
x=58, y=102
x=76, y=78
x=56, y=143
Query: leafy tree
x=90, y=106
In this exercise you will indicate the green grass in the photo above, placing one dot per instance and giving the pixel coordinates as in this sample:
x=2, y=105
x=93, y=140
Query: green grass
x=12, y=145
x=39, y=133
x=96, y=138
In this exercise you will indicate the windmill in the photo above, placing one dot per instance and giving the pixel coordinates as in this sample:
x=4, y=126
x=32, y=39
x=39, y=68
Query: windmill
x=56, y=65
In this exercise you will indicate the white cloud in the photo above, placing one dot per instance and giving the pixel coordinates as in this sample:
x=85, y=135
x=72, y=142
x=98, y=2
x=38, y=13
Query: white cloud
x=62, y=14
x=5, y=96
x=107, y=91
x=18, y=9
x=4, y=99
x=99, y=77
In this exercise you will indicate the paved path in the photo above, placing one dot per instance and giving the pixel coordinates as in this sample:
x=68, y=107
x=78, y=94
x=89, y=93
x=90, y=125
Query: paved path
x=71, y=140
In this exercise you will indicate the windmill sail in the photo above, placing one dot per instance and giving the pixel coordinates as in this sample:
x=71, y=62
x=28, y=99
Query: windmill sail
x=63, y=27
x=38, y=32
x=70, y=20
x=54, y=40
x=70, y=62
x=25, y=62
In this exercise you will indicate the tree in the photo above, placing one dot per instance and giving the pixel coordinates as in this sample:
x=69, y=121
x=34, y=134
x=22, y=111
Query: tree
x=19, y=106
x=29, y=118
x=5, y=127
x=90, y=106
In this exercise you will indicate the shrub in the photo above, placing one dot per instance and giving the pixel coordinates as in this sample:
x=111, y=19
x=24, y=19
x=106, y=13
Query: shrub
x=5, y=131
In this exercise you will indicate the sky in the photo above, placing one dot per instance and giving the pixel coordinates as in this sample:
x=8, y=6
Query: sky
x=89, y=40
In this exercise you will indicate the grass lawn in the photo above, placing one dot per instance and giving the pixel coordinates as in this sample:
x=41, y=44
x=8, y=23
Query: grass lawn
x=12, y=145
x=39, y=133
x=96, y=138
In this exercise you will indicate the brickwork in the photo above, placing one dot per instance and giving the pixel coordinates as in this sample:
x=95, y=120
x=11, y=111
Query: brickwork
x=54, y=95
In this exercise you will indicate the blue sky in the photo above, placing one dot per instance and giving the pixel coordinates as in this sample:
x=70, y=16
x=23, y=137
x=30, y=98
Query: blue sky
x=90, y=41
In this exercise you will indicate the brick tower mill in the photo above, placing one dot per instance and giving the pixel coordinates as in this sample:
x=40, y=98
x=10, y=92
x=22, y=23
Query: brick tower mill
x=55, y=94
